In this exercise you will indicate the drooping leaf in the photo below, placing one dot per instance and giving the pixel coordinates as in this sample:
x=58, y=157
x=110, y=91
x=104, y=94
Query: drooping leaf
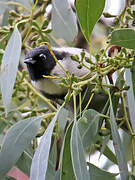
x=58, y=174
x=2, y=126
x=16, y=141
x=50, y=173
x=133, y=76
x=53, y=152
x=120, y=81
x=62, y=119
x=127, y=144
x=122, y=164
x=123, y=37
x=24, y=163
x=67, y=168
x=131, y=99
x=88, y=127
x=107, y=151
x=98, y=174
x=9, y=67
x=78, y=155
x=41, y=156
x=89, y=12
x=110, y=155
x=64, y=24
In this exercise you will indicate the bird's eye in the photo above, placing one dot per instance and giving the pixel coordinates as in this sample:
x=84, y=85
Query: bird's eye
x=42, y=56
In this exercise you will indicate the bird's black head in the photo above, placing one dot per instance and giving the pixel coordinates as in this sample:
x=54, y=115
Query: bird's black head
x=40, y=62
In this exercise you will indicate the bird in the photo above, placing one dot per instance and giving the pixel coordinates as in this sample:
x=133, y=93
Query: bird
x=40, y=63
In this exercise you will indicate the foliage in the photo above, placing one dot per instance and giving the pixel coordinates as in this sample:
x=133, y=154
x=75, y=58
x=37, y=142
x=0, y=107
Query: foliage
x=67, y=139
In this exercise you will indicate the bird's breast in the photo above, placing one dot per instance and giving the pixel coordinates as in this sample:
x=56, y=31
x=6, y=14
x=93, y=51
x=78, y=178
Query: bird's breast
x=48, y=86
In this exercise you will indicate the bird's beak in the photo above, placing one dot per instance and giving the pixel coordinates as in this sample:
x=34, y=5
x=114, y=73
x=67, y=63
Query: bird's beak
x=29, y=61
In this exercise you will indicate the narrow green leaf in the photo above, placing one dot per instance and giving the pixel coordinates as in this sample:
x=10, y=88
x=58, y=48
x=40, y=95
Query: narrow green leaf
x=123, y=37
x=2, y=126
x=24, y=163
x=104, y=144
x=57, y=176
x=41, y=156
x=118, y=147
x=120, y=80
x=16, y=141
x=62, y=119
x=67, y=168
x=50, y=173
x=106, y=150
x=78, y=155
x=110, y=155
x=131, y=99
x=99, y=174
x=53, y=153
x=9, y=67
x=127, y=144
x=133, y=76
x=88, y=127
x=89, y=12
x=64, y=24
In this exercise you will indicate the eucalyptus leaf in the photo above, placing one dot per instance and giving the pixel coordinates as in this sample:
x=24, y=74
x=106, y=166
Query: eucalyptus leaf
x=9, y=67
x=3, y=124
x=78, y=155
x=106, y=150
x=41, y=156
x=118, y=147
x=67, y=168
x=110, y=155
x=89, y=12
x=53, y=153
x=120, y=80
x=24, y=163
x=64, y=23
x=123, y=37
x=127, y=144
x=50, y=173
x=131, y=99
x=57, y=176
x=88, y=127
x=62, y=119
x=16, y=141
x=133, y=76
x=99, y=174
x=104, y=144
